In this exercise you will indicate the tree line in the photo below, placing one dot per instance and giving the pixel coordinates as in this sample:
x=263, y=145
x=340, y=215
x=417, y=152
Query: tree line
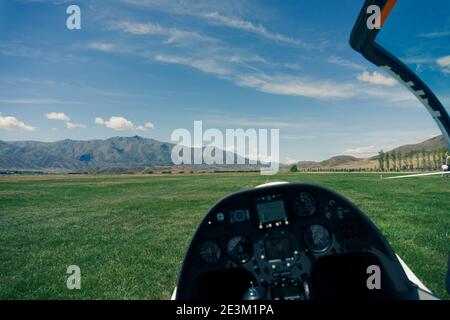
x=421, y=160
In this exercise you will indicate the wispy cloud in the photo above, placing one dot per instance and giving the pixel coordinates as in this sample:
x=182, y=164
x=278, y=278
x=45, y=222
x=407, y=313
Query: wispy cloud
x=254, y=122
x=173, y=35
x=418, y=60
x=241, y=24
x=14, y=49
x=31, y=101
x=292, y=86
x=57, y=2
x=345, y=63
x=400, y=96
x=275, y=84
x=296, y=86
x=103, y=46
x=243, y=68
x=21, y=50
x=438, y=34
x=212, y=12
x=297, y=137
x=205, y=65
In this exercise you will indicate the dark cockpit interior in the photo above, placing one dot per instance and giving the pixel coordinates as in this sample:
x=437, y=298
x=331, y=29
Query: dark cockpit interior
x=290, y=242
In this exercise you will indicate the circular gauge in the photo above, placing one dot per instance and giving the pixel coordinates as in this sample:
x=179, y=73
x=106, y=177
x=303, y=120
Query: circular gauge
x=305, y=205
x=239, y=215
x=210, y=252
x=317, y=238
x=240, y=249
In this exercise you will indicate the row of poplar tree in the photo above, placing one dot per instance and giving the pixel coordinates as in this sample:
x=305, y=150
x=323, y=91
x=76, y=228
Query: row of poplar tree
x=413, y=160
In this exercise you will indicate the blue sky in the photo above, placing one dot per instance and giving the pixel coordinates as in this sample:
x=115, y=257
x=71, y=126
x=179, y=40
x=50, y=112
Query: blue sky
x=158, y=65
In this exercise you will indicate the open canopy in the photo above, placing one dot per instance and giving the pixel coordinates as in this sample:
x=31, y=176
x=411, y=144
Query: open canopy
x=391, y=46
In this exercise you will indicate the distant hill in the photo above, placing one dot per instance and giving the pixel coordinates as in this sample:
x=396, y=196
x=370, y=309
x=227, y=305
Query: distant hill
x=115, y=154
x=332, y=162
x=338, y=160
x=432, y=144
x=349, y=162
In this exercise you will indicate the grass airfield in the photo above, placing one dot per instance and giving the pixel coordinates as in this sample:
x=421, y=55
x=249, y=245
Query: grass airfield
x=128, y=233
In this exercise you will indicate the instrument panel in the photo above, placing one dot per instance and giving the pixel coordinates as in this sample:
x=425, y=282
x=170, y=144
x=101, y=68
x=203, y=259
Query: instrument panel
x=273, y=237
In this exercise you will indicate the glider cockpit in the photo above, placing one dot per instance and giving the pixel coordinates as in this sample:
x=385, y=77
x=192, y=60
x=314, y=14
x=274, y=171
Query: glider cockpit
x=290, y=242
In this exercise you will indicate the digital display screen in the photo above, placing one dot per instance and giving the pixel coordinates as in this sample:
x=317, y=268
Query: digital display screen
x=270, y=208
x=278, y=249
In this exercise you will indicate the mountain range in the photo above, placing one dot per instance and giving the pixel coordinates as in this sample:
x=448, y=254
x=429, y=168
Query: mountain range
x=117, y=154
x=136, y=153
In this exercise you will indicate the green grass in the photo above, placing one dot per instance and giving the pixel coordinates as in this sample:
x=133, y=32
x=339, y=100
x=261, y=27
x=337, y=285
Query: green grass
x=128, y=234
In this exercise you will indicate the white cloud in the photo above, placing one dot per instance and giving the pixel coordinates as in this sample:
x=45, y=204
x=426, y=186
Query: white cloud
x=361, y=151
x=13, y=124
x=99, y=120
x=289, y=161
x=71, y=125
x=444, y=62
x=60, y=116
x=116, y=123
x=147, y=125
x=377, y=78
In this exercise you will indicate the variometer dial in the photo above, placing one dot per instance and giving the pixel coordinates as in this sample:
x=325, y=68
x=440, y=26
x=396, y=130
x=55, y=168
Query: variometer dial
x=240, y=249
